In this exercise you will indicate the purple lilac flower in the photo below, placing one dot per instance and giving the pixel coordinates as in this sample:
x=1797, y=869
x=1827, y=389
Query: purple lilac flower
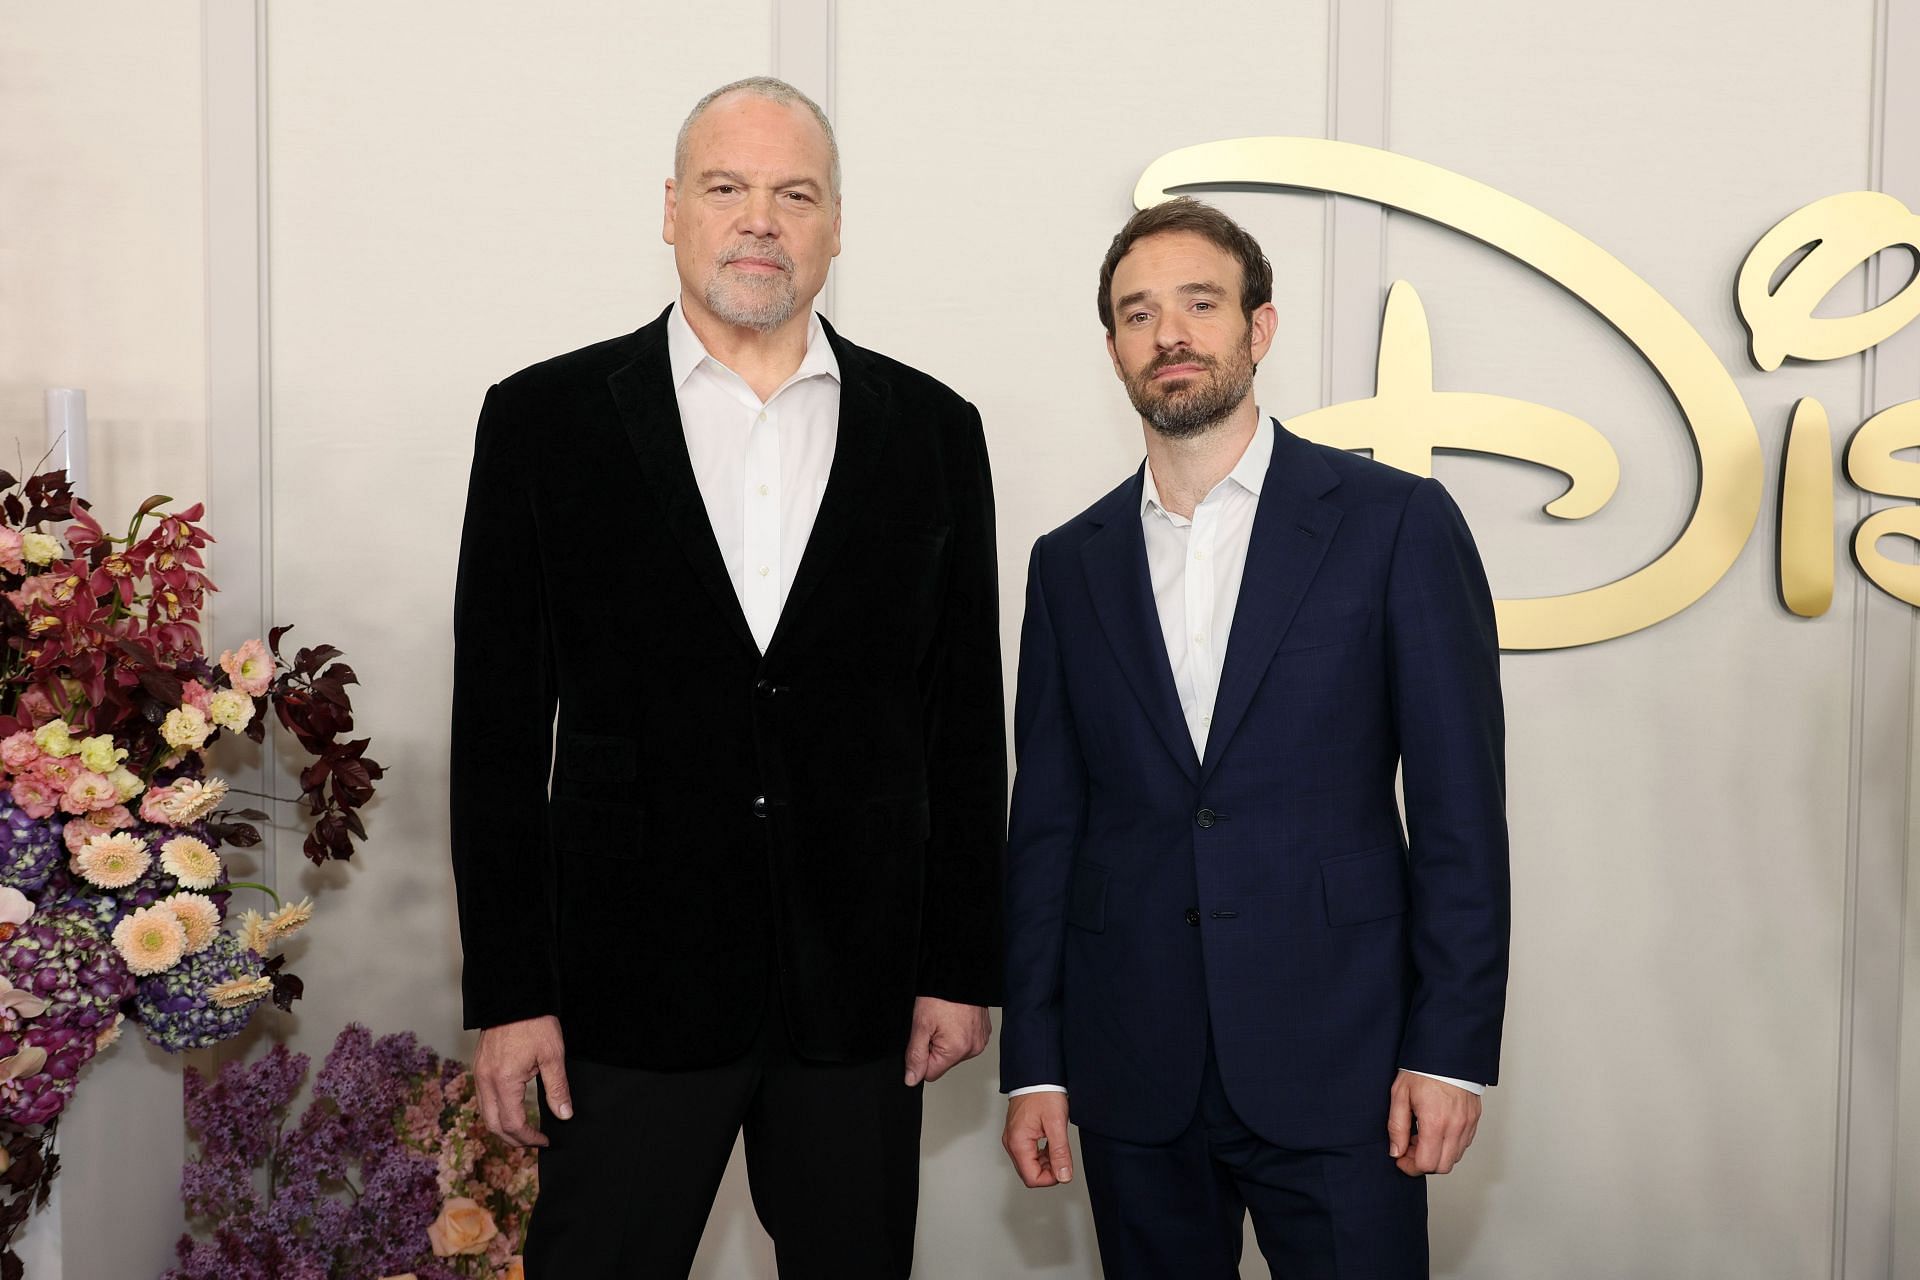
x=238, y=1113
x=175, y=1008
x=66, y=957
x=38, y=1098
x=30, y=848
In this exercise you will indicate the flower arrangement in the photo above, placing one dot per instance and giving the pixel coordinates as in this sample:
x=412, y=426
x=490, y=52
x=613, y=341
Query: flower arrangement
x=114, y=895
x=388, y=1172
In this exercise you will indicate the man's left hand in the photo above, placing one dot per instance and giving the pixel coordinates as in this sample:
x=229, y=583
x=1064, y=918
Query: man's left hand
x=944, y=1033
x=1445, y=1116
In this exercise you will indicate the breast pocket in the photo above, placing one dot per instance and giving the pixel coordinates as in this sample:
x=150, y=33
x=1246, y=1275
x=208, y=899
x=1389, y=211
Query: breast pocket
x=1335, y=624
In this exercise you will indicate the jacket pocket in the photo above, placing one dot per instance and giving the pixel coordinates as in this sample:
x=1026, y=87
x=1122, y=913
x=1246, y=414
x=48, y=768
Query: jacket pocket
x=1369, y=885
x=1087, y=898
x=1337, y=625
x=897, y=822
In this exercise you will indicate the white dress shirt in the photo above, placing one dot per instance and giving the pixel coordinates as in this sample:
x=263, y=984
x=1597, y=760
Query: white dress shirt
x=1196, y=566
x=761, y=465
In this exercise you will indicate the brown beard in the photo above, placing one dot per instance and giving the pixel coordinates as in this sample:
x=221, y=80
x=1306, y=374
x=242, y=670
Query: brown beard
x=1191, y=410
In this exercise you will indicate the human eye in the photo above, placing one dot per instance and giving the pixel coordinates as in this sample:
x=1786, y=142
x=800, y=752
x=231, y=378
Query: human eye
x=1201, y=304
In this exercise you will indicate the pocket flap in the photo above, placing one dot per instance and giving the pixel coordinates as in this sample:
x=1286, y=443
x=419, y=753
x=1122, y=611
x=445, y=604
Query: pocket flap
x=898, y=823
x=1087, y=898
x=1368, y=885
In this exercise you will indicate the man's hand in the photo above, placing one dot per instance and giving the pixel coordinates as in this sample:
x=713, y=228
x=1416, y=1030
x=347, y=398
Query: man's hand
x=509, y=1056
x=1447, y=1117
x=944, y=1033
x=1033, y=1119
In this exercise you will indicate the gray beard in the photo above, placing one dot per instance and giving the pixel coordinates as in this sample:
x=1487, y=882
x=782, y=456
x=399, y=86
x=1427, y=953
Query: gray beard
x=761, y=308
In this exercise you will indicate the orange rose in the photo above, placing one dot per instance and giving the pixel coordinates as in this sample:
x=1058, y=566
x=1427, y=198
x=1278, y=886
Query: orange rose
x=516, y=1269
x=462, y=1227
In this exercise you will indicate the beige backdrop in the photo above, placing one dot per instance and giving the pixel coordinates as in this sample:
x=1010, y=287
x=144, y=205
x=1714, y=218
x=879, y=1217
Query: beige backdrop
x=454, y=190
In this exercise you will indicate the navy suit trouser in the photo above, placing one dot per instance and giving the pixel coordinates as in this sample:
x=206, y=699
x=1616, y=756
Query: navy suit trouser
x=1178, y=1211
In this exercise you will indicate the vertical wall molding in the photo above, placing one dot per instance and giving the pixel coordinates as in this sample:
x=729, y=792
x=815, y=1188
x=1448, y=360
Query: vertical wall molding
x=1357, y=96
x=239, y=387
x=804, y=41
x=1882, y=745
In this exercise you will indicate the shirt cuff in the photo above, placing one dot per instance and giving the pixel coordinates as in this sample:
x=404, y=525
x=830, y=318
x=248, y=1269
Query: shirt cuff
x=1038, y=1088
x=1468, y=1085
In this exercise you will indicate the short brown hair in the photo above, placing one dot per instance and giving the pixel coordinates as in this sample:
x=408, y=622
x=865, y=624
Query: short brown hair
x=1183, y=213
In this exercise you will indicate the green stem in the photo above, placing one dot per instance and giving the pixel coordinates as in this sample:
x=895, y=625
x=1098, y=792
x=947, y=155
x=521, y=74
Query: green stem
x=250, y=884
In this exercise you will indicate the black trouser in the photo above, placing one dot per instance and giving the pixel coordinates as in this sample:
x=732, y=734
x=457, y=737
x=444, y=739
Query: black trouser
x=1178, y=1211
x=833, y=1159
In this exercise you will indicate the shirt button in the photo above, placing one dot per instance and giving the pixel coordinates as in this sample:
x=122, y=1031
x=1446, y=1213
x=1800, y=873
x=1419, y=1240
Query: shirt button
x=1199, y=637
x=1193, y=916
x=763, y=491
x=1199, y=555
x=763, y=571
x=1206, y=722
x=1205, y=818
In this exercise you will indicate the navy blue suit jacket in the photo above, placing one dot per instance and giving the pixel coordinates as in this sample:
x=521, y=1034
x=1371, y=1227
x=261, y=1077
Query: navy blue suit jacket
x=1267, y=892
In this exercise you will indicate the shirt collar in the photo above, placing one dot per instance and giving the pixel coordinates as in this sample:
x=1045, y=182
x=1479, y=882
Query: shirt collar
x=685, y=352
x=1249, y=473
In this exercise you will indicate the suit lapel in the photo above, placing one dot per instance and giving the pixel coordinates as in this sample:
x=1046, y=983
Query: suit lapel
x=1115, y=561
x=865, y=416
x=1291, y=531
x=650, y=412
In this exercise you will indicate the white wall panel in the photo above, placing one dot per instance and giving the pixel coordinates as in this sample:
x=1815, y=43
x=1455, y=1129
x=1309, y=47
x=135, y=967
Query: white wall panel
x=1679, y=797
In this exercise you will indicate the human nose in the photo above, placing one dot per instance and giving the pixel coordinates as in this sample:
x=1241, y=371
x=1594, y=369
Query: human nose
x=1170, y=332
x=757, y=215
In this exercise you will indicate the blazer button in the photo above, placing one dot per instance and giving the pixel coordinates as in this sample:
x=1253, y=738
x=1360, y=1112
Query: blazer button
x=759, y=806
x=1193, y=916
x=765, y=688
x=1204, y=819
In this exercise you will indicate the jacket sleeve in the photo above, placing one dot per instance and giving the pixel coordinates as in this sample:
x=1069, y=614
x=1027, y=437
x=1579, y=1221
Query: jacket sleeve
x=966, y=751
x=1444, y=673
x=1048, y=820
x=504, y=694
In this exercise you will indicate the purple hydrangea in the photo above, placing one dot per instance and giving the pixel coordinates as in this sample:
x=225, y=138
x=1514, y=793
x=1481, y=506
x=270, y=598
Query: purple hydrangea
x=38, y=1098
x=176, y=1008
x=65, y=956
x=30, y=848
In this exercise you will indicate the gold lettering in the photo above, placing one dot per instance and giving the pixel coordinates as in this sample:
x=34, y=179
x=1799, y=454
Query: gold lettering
x=1406, y=420
x=1839, y=233
x=1723, y=432
x=1805, y=552
x=1872, y=466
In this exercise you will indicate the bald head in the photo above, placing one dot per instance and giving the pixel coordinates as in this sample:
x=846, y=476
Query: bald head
x=768, y=89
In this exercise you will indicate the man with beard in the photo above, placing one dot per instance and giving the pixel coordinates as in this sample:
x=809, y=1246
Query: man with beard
x=1254, y=991
x=745, y=570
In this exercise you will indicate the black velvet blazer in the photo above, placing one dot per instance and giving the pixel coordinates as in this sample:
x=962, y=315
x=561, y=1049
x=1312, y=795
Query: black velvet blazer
x=831, y=812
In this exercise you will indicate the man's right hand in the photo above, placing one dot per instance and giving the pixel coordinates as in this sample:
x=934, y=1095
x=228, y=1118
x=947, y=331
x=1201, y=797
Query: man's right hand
x=1032, y=1118
x=509, y=1057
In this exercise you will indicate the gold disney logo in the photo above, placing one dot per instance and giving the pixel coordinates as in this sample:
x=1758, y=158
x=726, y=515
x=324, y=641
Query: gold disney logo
x=1406, y=420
